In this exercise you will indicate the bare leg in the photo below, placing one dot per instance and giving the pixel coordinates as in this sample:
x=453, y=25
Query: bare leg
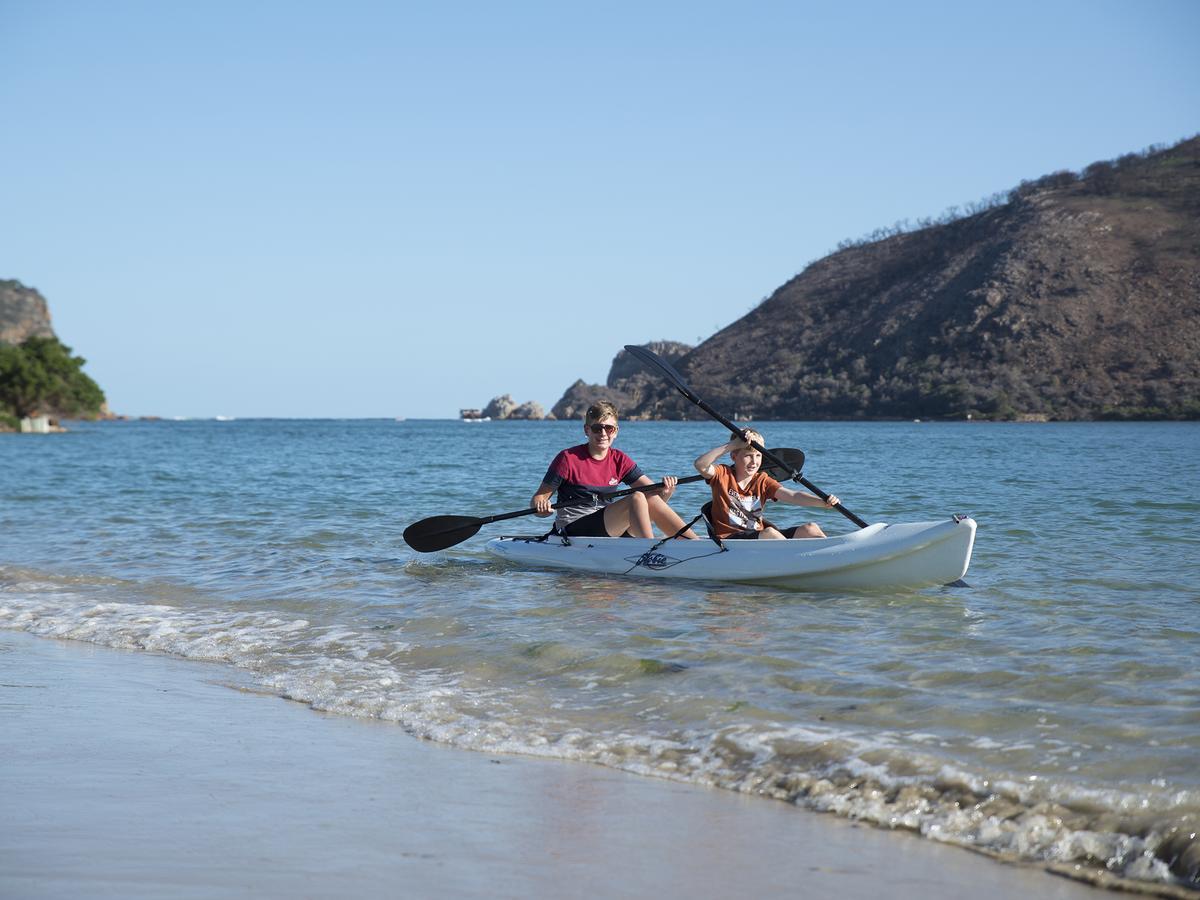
x=808, y=530
x=667, y=519
x=770, y=533
x=631, y=514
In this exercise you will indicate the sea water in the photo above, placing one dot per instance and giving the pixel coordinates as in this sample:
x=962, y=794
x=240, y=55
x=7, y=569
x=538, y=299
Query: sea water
x=1049, y=712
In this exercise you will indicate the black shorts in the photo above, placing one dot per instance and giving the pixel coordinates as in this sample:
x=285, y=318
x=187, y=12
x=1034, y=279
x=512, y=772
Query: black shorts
x=591, y=525
x=742, y=536
x=753, y=535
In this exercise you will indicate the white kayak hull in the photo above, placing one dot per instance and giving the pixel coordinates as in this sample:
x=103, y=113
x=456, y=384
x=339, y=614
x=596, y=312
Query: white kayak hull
x=916, y=554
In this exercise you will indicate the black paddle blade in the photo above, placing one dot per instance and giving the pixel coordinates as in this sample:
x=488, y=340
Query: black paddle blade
x=440, y=532
x=792, y=459
x=652, y=359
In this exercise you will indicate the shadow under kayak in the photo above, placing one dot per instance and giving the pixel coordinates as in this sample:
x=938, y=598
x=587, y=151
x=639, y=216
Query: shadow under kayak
x=914, y=554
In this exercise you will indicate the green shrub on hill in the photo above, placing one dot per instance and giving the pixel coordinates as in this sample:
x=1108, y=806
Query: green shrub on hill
x=41, y=376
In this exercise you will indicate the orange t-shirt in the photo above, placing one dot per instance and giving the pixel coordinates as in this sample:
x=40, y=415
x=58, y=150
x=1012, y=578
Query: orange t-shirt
x=734, y=510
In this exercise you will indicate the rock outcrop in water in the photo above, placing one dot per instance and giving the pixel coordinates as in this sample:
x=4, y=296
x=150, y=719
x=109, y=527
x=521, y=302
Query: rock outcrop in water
x=1076, y=296
x=504, y=407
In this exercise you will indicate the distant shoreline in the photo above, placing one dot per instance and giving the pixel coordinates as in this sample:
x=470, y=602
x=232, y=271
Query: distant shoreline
x=173, y=420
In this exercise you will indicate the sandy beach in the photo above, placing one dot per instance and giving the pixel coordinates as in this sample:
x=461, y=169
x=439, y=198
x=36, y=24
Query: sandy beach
x=128, y=774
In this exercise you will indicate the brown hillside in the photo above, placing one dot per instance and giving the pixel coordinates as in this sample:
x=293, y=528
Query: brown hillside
x=1077, y=298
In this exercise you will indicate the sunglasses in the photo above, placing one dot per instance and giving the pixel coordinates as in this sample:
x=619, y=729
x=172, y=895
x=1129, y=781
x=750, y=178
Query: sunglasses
x=598, y=428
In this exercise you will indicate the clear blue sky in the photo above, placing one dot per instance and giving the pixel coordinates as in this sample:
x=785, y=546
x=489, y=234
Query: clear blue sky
x=400, y=209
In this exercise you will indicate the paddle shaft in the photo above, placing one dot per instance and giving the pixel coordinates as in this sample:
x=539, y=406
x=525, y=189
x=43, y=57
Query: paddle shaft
x=440, y=532
x=486, y=520
x=776, y=462
x=767, y=454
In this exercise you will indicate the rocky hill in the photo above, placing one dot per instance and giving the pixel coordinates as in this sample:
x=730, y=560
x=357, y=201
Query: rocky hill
x=1076, y=296
x=39, y=375
x=626, y=386
x=23, y=313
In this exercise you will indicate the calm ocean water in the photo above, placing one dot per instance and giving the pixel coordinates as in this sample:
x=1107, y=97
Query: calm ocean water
x=1050, y=712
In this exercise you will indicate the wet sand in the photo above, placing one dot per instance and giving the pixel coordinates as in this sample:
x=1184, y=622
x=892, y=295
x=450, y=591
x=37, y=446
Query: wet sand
x=128, y=774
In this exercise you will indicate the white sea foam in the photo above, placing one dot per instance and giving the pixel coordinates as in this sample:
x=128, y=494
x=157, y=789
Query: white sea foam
x=886, y=778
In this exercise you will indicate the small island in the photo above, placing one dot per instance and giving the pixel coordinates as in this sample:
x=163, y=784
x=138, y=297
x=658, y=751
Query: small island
x=504, y=407
x=41, y=380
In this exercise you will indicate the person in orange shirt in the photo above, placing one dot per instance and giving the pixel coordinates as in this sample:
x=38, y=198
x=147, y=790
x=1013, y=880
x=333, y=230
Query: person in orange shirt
x=740, y=491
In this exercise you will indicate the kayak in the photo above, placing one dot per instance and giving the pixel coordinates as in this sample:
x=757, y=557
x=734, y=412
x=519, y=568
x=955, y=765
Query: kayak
x=914, y=554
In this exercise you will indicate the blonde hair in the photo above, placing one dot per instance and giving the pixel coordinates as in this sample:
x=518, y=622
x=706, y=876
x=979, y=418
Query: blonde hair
x=599, y=410
x=754, y=436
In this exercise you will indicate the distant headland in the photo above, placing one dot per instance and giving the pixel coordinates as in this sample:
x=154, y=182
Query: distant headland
x=41, y=381
x=1072, y=297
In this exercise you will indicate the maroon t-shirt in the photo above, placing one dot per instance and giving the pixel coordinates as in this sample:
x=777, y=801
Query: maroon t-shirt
x=583, y=480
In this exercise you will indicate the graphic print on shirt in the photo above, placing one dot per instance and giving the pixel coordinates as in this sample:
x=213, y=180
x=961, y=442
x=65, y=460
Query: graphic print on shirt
x=745, y=512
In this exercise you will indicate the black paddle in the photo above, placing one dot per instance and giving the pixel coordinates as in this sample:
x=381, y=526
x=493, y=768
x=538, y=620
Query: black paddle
x=654, y=360
x=440, y=532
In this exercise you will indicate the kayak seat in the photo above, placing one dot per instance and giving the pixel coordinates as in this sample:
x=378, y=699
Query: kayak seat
x=706, y=515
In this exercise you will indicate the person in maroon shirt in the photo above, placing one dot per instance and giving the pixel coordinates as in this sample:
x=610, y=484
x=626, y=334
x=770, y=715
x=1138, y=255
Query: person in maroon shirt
x=584, y=474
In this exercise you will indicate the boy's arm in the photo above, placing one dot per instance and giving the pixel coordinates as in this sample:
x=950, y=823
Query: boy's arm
x=804, y=498
x=704, y=462
x=541, y=500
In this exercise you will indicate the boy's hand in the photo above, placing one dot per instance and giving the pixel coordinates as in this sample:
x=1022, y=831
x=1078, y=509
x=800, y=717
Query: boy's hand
x=542, y=505
x=832, y=502
x=668, y=487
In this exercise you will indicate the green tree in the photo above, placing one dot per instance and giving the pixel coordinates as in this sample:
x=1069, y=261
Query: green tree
x=41, y=375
